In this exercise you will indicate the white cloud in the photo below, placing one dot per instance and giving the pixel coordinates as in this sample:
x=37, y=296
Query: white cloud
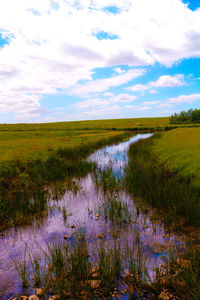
x=163, y=81
x=184, y=99
x=101, y=85
x=138, y=88
x=121, y=98
x=137, y=107
x=151, y=102
x=53, y=45
x=180, y=99
x=119, y=70
x=153, y=92
x=168, y=81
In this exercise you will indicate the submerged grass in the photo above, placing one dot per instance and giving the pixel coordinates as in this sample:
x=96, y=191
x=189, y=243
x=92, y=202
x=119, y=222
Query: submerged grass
x=172, y=194
x=115, y=210
x=72, y=270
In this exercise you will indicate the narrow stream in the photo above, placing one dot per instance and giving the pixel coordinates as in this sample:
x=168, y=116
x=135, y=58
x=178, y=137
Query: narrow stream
x=81, y=208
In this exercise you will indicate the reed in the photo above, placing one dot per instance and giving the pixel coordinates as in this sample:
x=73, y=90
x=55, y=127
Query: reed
x=115, y=210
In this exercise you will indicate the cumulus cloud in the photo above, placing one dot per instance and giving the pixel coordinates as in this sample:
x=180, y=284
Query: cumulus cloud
x=53, y=47
x=162, y=81
x=151, y=102
x=101, y=85
x=119, y=70
x=137, y=107
x=179, y=100
x=184, y=99
x=121, y=98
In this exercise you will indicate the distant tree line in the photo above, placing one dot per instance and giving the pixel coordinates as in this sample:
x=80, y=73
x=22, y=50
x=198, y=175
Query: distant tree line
x=191, y=115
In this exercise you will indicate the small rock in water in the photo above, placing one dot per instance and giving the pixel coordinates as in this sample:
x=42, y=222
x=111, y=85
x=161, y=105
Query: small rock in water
x=94, y=283
x=101, y=236
x=55, y=297
x=95, y=272
x=158, y=247
x=163, y=296
x=66, y=237
x=39, y=292
x=33, y=297
x=73, y=226
x=66, y=293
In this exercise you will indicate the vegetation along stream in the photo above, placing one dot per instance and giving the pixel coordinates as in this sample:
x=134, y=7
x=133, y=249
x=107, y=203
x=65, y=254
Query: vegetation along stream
x=91, y=242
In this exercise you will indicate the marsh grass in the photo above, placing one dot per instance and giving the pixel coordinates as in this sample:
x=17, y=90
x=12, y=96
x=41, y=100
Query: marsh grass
x=115, y=210
x=64, y=213
x=106, y=179
x=35, y=261
x=23, y=269
x=173, y=195
x=73, y=269
x=22, y=193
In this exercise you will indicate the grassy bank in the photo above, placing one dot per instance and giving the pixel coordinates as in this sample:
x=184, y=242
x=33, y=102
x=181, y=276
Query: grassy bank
x=22, y=193
x=171, y=193
x=179, y=151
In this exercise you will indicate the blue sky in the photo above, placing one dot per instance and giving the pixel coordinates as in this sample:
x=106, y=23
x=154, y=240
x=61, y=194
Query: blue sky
x=67, y=60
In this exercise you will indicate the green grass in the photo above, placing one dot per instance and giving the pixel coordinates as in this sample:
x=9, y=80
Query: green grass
x=31, y=144
x=179, y=150
x=172, y=194
x=72, y=269
x=115, y=210
x=90, y=125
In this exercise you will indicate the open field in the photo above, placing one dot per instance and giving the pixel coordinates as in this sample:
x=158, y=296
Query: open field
x=30, y=141
x=179, y=150
x=32, y=144
x=90, y=125
x=117, y=124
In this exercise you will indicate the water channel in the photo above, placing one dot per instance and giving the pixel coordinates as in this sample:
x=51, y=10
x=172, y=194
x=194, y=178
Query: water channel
x=81, y=208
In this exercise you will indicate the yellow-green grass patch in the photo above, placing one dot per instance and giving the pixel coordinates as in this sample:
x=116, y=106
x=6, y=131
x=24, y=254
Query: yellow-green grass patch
x=179, y=149
x=139, y=123
x=36, y=144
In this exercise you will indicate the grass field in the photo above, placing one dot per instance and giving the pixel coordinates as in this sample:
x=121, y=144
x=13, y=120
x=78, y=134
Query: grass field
x=118, y=124
x=30, y=141
x=179, y=150
x=32, y=144
x=90, y=125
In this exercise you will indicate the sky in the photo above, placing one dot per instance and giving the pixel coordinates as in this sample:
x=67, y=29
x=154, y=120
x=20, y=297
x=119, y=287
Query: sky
x=66, y=60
